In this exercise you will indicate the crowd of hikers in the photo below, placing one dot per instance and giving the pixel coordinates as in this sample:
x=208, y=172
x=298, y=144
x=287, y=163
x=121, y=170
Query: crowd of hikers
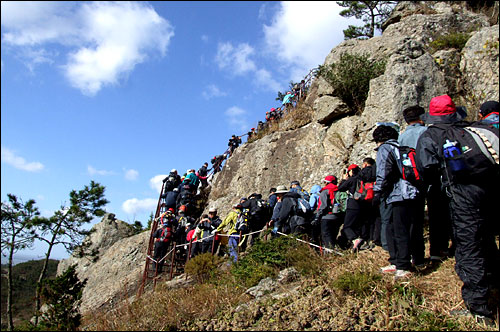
x=441, y=164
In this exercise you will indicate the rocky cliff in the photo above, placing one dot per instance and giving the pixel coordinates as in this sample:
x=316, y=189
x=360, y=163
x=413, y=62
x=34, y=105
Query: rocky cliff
x=333, y=136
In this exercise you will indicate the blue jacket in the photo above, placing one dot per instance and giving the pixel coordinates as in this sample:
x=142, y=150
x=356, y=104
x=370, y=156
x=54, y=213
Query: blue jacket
x=390, y=185
x=491, y=119
x=411, y=135
x=313, y=200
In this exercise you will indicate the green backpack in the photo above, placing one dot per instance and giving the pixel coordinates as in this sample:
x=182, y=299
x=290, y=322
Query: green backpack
x=340, y=202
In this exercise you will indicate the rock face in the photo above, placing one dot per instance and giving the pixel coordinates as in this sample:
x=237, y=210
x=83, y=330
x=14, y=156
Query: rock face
x=117, y=272
x=336, y=136
x=333, y=136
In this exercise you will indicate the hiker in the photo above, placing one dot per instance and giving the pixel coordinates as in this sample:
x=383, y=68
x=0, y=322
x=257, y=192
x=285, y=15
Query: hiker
x=409, y=138
x=295, y=187
x=171, y=198
x=314, y=196
x=260, y=126
x=290, y=219
x=215, y=221
x=488, y=113
x=184, y=223
x=251, y=133
x=228, y=227
x=203, y=175
x=171, y=181
x=370, y=214
x=272, y=199
x=217, y=162
x=162, y=238
x=471, y=202
x=194, y=181
x=234, y=142
x=328, y=222
x=280, y=191
x=287, y=101
x=401, y=196
x=186, y=196
x=258, y=213
x=352, y=229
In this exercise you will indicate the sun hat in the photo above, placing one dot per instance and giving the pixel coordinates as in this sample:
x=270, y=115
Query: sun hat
x=352, y=166
x=329, y=178
x=212, y=209
x=281, y=189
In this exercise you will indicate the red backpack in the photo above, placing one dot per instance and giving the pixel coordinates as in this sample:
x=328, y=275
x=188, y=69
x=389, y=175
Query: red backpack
x=364, y=191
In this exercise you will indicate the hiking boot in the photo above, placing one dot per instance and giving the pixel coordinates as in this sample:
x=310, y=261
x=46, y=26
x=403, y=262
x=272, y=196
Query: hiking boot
x=365, y=246
x=402, y=274
x=388, y=269
x=356, y=243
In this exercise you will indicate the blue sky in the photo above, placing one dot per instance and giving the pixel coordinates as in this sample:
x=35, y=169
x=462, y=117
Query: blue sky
x=122, y=92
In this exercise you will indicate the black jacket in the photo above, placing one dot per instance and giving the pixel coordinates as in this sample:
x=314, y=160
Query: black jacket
x=350, y=185
x=287, y=208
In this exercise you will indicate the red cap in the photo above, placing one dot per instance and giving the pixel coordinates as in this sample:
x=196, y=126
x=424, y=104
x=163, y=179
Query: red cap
x=330, y=178
x=272, y=109
x=182, y=208
x=442, y=105
x=352, y=166
x=171, y=210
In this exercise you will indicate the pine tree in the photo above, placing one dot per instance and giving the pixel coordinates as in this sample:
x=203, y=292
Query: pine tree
x=63, y=297
x=373, y=13
x=17, y=233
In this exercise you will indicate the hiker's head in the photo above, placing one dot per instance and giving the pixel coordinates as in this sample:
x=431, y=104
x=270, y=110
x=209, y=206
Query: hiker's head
x=488, y=107
x=212, y=211
x=352, y=170
x=384, y=133
x=280, y=191
x=243, y=200
x=330, y=179
x=294, y=184
x=272, y=190
x=237, y=206
x=173, y=171
x=412, y=114
x=442, y=109
x=368, y=162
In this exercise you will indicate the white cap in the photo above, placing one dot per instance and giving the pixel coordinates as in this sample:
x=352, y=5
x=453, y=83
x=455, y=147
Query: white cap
x=173, y=170
x=212, y=209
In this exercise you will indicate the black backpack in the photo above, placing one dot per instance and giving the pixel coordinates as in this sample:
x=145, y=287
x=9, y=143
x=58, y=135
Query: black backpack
x=407, y=164
x=470, y=150
x=170, y=182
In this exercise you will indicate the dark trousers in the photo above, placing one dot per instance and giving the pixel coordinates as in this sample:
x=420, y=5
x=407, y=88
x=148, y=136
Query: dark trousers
x=330, y=225
x=160, y=250
x=471, y=238
x=351, y=224
x=440, y=232
x=399, y=234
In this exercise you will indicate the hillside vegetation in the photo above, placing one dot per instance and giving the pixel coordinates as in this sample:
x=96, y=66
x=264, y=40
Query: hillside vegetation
x=25, y=277
x=332, y=293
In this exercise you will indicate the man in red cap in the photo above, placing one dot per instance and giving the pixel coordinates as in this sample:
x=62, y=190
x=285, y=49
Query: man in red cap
x=476, y=253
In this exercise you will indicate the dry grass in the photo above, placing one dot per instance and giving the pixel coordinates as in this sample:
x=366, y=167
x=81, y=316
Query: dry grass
x=422, y=302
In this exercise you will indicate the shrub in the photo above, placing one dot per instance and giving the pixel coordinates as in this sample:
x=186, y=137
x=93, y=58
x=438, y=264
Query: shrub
x=456, y=40
x=203, y=267
x=358, y=283
x=350, y=77
x=265, y=259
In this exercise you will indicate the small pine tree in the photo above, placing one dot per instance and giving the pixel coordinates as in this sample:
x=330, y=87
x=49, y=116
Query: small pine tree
x=62, y=297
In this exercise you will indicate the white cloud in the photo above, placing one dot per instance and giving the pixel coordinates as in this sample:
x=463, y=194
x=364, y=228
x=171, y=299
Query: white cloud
x=302, y=33
x=204, y=38
x=213, y=91
x=235, y=59
x=264, y=78
x=106, y=39
x=12, y=159
x=131, y=174
x=156, y=182
x=92, y=171
x=135, y=206
x=237, y=118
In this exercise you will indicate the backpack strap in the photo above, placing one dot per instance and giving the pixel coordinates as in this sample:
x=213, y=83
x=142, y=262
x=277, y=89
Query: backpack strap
x=487, y=143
